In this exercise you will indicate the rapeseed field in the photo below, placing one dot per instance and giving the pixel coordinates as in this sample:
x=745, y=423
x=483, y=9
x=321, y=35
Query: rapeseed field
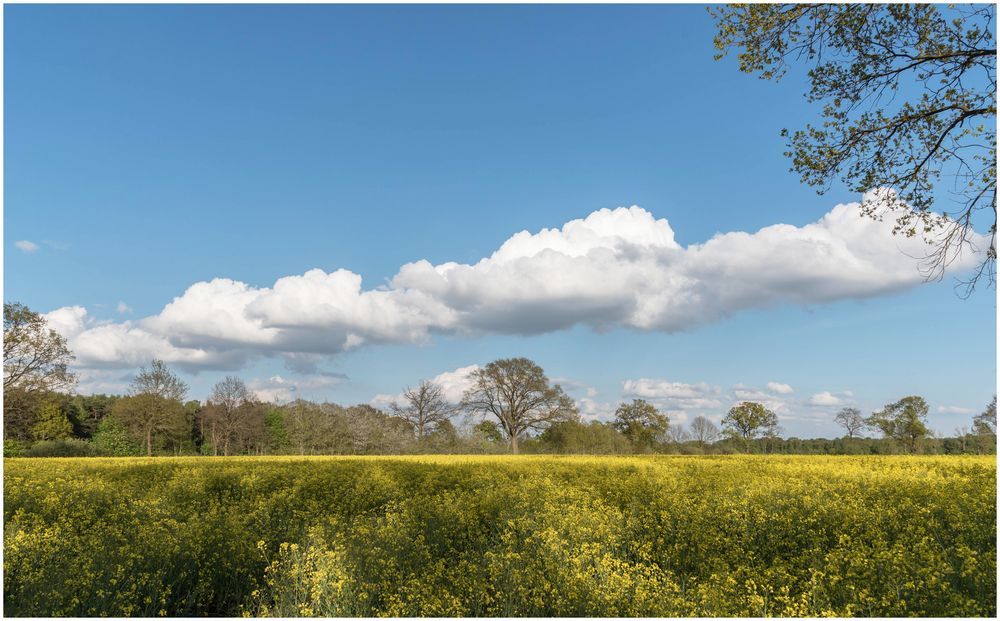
x=501, y=536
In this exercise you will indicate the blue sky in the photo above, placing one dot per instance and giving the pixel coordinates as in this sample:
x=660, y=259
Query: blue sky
x=151, y=148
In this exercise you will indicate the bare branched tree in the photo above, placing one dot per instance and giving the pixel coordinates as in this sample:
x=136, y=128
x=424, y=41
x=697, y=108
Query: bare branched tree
x=232, y=413
x=852, y=421
x=704, y=431
x=425, y=408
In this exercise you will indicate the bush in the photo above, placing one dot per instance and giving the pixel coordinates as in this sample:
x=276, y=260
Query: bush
x=61, y=448
x=14, y=448
x=113, y=440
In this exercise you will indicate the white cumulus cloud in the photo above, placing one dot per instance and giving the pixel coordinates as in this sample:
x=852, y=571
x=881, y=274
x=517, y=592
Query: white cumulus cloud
x=615, y=268
x=453, y=386
x=778, y=387
x=26, y=246
x=825, y=399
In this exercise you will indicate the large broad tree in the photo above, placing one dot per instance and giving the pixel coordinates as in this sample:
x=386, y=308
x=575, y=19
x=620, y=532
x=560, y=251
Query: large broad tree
x=425, y=408
x=517, y=393
x=154, y=404
x=904, y=421
x=908, y=95
x=35, y=357
x=985, y=423
x=749, y=420
x=36, y=363
x=641, y=423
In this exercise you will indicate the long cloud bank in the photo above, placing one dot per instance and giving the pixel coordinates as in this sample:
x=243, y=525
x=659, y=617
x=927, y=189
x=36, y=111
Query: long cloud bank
x=615, y=268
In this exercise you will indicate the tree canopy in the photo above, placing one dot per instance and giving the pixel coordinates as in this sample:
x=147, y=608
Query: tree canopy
x=641, y=423
x=905, y=421
x=908, y=94
x=517, y=393
x=35, y=357
x=985, y=423
x=749, y=420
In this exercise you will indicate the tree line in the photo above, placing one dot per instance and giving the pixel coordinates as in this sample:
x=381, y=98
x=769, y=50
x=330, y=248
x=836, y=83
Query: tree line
x=511, y=406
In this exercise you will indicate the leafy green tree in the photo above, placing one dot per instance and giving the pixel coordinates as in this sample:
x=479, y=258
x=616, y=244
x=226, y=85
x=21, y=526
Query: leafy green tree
x=517, y=393
x=904, y=421
x=909, y=96
x=444, y=438
x=575, y=437
x=641, y=423
x=149, y=418
x=851, y=420
x=489, y=431
x=35, y=357
x=35, y=365
x=749, y=420
x=52, y=423
x=985, y=423
x=113, y=439
x=88, y=411
x=275, y=431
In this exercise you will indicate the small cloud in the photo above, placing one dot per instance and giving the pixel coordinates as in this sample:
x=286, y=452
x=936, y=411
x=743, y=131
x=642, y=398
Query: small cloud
x=778, y=387
x=824, y=399
x=955, y=409
x=55, y=245
x=123, y=308
x=26, y=246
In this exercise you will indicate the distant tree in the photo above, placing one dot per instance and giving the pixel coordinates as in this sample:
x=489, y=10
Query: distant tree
x=373, y=432
x=904, y=421
x=35, y=357
x=909, y=96
x=233, y=416
x=641, y=423
x=676, y=434
x=851, y=420
x=52, y=423
x=704, y=431
x=574, y=437
x=444, y=438
x=425, y=408
x=276, y=439
x=113, y=439
x=89, y=411
x=158, y=380
x=149, y=416
x=749, y=420
x=985, y=424
x=489, y=431
x=517, y=393
x=153, y=407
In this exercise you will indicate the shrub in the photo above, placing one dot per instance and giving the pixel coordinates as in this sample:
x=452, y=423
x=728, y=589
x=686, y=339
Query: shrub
x=61, y=448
